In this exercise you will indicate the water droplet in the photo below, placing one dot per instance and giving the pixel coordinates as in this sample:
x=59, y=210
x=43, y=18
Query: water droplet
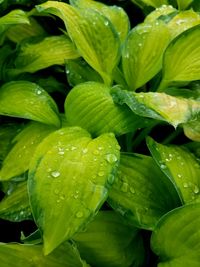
x=55, y=174
x=79, y=214
x=39, y=92
x=106, y=23
x=73, y=148
x=100, y=148
x=124, y=187
x=111, y=179
x=111, y=158
x=84, y=150
x=132, y=190
x=140, y=44
x=101, y=173
x=179, y=175
x=58, y=200
x=163, y=166
x=61, y=152
x=62, y=197
x=185, y=185
x=196, y=189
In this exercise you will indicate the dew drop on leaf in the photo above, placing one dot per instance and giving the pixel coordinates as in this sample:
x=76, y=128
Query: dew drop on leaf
x=55, y=174
x=79, y=214
x=124, y=187
x=111, y=158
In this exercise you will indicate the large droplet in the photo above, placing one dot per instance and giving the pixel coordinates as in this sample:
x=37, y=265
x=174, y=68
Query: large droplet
x=111, y=158
x=55, y=174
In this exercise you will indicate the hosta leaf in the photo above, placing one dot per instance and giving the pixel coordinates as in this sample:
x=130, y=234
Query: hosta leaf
x=141, y=193
x=35, y=56
x=109, y=230
x=24, y=144
x=181, y=167
x=183, y=4
x=77, y=173
x=160, y=106
x=115, y=14
x=19, y=32
x=159, y=12
x=15, y=206
x=17, y=255
x=28, y=100
x=78, y=71
x=143, y=51
x=176, y=239
x=90, y=105
x=93, y=34
x=181, y=62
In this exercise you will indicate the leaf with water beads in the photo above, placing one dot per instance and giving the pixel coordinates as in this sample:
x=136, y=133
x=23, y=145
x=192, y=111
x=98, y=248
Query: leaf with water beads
x=77, y=172
x=176, y=239
x=94, y=36
x=28, y=100
x=143, y=51
x=180, y=166
x=66, y=255
x=141, y=193
x=24, y=144
x=108, y=229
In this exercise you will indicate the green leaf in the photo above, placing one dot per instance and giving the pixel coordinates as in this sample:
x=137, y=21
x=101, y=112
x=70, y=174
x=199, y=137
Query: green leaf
x=143, y=51
x=181, y=167
x=176, y=237
x=181, y=59
x=183, y=4
x=141, y=193
x=90, y=106
x=24, y=145
x=115, y=14
x=93, y=34
x=159, y=13
x=77, y=173
x=16, y=16
x=19, y=32
x=15, y=206
x=160, y=106
x=192, y=129
x=78, y=71
x=34, y=55
x=28, y=100
x=108, y=230
x=17, y=255
x=34, y=238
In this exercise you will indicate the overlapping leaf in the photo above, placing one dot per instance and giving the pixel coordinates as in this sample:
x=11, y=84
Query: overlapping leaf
x=24, y=145
x=181, y=61
x=17, y=255
x=28, y=100
x=143, y=51
x=141, y=193
x=91, y=106
x=176, y=239
x=160, y=106
x=181, y=167
x=93, y=34
x=108, y=230
x=15, y=206
x=76, y=173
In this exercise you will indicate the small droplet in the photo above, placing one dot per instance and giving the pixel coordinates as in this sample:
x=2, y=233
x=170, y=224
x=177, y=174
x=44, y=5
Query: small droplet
x=55, y=174
x=62, y=197
x=111, y=158
x=101, y=173
x=79, y=214
x=179, y=175
x=106, y=23
x=124, y=187
x=73, y=148
x=61, y=152
x=196, y=189
x=163, y=166
x=132, y=190
x=39, y=92
x=185, y=185
x=84, y=150
x=111, y=179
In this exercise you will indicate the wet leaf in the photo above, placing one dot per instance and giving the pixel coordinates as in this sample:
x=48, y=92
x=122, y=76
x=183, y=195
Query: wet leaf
x=93, y=34
x=181, y=167
x=141, y=193
x=24, y=144
x=176, y=237
x=143, y=51
x=125, y=246
x=90, y=106
x=15, y=206
x=77, y=173
x=28, y=100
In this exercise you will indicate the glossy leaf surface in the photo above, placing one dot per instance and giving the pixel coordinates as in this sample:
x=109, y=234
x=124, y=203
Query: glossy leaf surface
x=141, y=193
x=28, y=100
x=77, y=173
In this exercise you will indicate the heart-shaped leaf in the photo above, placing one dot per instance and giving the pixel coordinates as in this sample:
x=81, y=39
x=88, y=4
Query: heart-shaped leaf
x=15, y=206
x=141, y=193
x=93, y=34
x=90, y=105
x=24, y=145
x=28, y=100
x=115, y=14
x=19, y=255
x=181, y=61
x=76, y=172
x=160, y=106
x=143, y=51
x=110, y=230
x=176, y=239
x=180, y=166
x=34, y=56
